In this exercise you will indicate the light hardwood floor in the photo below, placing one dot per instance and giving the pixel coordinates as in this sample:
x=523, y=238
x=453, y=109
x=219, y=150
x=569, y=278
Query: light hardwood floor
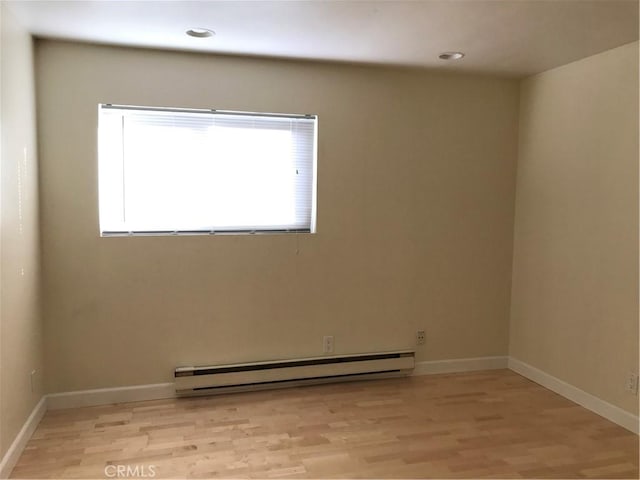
x=482, y=424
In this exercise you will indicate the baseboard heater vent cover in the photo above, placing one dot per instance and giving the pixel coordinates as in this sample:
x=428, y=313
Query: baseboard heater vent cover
x=295, y=372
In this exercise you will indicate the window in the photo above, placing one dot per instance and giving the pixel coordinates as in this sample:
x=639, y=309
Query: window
x=172, y=171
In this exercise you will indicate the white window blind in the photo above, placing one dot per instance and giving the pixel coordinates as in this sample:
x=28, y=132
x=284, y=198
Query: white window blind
x=203, y=171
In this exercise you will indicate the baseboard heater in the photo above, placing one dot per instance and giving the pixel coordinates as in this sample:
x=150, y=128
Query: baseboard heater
x=284, y=373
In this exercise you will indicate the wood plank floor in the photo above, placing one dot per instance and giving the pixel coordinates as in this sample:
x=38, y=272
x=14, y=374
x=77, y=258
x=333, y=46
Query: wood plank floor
x=493, y=424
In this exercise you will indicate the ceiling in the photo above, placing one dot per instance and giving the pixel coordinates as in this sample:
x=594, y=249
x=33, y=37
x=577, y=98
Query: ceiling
x=506, y=37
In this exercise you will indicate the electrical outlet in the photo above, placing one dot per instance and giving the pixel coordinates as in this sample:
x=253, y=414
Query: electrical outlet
x=631, y=384
x=327, y=344
x=420, y=337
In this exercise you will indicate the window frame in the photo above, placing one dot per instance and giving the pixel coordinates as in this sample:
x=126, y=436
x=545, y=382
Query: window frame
x=311, y=229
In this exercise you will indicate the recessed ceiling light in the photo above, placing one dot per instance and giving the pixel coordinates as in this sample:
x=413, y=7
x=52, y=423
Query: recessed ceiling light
x=200, y=32
x=451, y=56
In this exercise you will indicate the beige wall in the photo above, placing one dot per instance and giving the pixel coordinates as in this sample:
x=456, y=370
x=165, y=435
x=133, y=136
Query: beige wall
x=574, y=310
x=415, y=220
x=20, y=323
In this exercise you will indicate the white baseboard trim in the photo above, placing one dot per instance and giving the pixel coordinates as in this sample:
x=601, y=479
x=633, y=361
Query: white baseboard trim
x=460, y=365
x=15, y=450
x=138, y=393
x=106, y=396
x=591, y=402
